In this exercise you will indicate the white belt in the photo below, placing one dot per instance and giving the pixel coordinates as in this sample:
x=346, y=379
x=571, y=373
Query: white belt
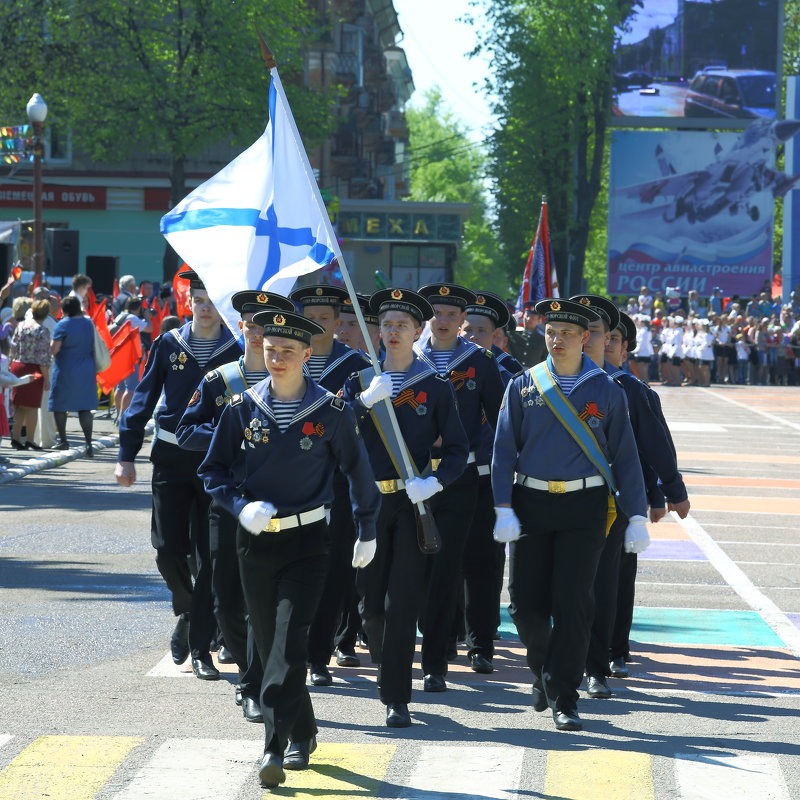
x=483, y=469
x=471, y=458
x=560, y=487
x=295, y=520
x=166, y=436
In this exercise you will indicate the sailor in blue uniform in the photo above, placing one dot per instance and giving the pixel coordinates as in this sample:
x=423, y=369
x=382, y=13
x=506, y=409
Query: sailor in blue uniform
x=330, y=364
x=476, y=380
x=483, y=557
x=392, y=587
x=291, y=434
x=561, y=424
x=176, y=364
x=194, y=432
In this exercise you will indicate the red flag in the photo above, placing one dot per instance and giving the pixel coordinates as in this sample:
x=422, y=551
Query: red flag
x=36, y=282
x=180, y=290
x=157, y=314
x=126, y=353
x=115, y=290
x=539, y=278
x=16, y=273
x=98, y=315
x=92, y=302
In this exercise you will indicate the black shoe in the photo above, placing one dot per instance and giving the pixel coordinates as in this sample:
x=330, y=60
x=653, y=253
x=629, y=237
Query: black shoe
x=62, y=445
x=89, y=451
x=17, y=445
x=271, y=773
x=397, y=716
x=251, y=710
x=297, y=754
x=32, y=446
x=567, y=720
x=224, y=655
x=237, y=695
x=204, y=669
x=347, y=658
x=618, y=669
x=434, y=683
x=320, y=675
x=481, y=664
x=361, y=640
x=538, y=697
x=597, y=687
x=179, y=644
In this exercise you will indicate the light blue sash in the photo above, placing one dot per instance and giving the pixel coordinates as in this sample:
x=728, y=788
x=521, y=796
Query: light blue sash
x=234, y=378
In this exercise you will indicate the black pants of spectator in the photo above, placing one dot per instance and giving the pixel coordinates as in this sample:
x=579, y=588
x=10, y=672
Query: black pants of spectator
x=179, y=533
x=453, y=509
x=339, y=589
x=85, y=419
x=606, y=588
x=282, y=576
x=391, y=589
x=481, y=597
x=551, y=575
x=229, y=605
x=626, y=595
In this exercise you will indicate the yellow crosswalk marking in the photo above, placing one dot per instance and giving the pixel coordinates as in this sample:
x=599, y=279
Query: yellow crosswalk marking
x=343, y=770
x=64, y=767
x=589, y=774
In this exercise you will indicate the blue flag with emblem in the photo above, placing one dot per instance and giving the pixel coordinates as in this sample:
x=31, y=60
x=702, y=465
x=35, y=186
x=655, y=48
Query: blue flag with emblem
x=260, y=222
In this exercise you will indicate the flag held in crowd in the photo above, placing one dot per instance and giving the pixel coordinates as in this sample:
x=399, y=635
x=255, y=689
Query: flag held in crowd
x=539, y=279
x=126, y=353
x=257, y=223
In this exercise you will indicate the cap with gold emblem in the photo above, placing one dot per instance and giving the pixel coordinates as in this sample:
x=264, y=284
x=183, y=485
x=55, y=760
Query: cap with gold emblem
x=401, y=300
x=609, y=313
x=253, y=300
x=363, y=303
x=188, y=274
x=322, y=295
x=287, y=325
x=557, y=310
x=490, y=305
x=447, y=294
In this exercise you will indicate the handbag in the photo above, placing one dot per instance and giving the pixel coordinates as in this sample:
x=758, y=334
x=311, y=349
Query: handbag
x=102, y=356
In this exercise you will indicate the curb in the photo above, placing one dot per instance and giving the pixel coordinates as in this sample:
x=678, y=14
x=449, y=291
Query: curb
x=62, y=457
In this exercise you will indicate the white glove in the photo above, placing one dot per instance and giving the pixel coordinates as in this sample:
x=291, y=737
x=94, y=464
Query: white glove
x=380, y=388
x=364, y=552
x=506, y=526
x=254, y=517
x=419, y=489
x=637, y=539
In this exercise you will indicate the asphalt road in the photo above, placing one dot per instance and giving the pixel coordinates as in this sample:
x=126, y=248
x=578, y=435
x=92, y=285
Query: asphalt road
x=91, y=706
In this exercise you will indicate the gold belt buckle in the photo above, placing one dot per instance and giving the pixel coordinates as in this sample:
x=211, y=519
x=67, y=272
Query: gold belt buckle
x=388, y=487
x=557, y=487
x=273, y=526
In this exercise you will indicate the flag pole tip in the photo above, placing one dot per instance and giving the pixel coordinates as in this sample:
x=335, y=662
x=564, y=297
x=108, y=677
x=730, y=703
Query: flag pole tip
x=544, y=198
x=266, y=53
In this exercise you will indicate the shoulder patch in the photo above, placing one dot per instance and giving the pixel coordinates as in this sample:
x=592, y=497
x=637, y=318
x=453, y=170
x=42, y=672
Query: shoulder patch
x=518, y=374
x=337, y=403
x=236, y=399
x=212, y=375
x=352, y=375
x=488, y=353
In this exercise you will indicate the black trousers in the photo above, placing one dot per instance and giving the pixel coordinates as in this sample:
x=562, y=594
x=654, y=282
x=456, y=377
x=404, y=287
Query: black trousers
x=551, y=574
x=340, y=583
x=481, y=592
x=179, y=532
x=282, y=577
x=606, y=586
x=626, y=594
x=453, y=509
x=391, y=589
x=229, y=605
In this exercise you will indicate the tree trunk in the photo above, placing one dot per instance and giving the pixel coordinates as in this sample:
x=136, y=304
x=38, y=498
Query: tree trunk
x=177, y=191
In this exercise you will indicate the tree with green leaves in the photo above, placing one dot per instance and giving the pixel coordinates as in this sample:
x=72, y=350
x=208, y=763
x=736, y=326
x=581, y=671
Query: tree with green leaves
x=163, y=77
x=446, y=166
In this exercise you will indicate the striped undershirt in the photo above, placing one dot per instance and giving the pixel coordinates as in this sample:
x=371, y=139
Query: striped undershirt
x=316, y=366
x=440, y=358
x=202, y=349
x=254, y=376
x=397, y=381
x=284, y=411
x=566, y=382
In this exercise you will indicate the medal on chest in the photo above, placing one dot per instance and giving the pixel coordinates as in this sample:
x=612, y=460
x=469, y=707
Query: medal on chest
x=309, y=430
x=591, y=415
x=256, y=433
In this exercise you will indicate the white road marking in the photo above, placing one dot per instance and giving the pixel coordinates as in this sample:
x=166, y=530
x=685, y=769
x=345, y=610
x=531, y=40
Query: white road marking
x=785, y=422
x=195, y=769
x=5, y=738
x=166, y=668
x=445, y=772
x=741, y=584
x=711, y=776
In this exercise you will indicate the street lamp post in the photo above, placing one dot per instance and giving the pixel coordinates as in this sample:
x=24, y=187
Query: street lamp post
x=37, y=114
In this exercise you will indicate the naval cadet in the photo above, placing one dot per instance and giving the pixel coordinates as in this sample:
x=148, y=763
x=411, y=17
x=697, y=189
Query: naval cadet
x=527, y=346
x=194, y=432
x=291, y=434
x=175, y=366
x=330, y=364
x=561, y=425
x=476, y=380
x=392, y=587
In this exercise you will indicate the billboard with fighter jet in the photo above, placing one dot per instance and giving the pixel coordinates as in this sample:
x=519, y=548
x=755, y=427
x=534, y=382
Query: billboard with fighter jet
x=694, y=209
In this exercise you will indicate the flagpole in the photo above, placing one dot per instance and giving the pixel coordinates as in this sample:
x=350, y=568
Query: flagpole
x=272, y=67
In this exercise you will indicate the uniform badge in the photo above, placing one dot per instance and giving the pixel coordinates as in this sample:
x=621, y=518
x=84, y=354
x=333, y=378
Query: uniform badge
x=182, y=357
x=180, y=366
x=248, y=434
x=173, y=357
x=555, y=306
x=539, y=400
x=255, y=423
x=195, y=398
x=256, y=436
x=471, y=384
x=305, y=443
x=591, y=415
x=397, y=294
x=219, y=400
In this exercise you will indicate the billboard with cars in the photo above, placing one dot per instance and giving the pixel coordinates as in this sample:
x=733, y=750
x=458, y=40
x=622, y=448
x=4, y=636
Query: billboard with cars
x=715, y=62
x=694, y=209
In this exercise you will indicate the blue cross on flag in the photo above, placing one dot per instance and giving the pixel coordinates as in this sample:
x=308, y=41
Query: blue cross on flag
x=260, y=222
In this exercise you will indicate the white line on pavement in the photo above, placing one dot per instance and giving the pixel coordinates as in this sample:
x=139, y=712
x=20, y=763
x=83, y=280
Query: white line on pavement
x=741, y=584
x=773, y=417
x=709, y=776
x=5, y=738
